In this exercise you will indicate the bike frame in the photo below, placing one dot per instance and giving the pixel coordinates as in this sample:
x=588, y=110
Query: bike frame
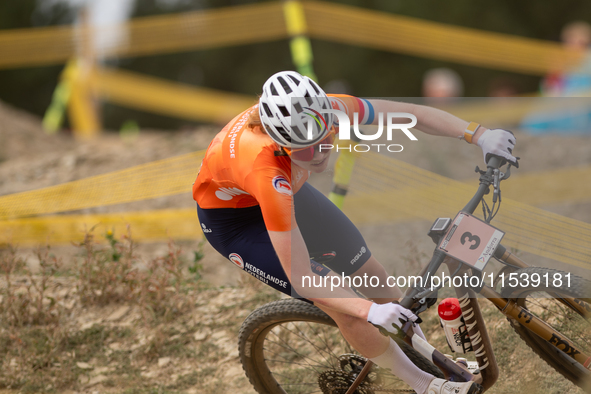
x=417, y=302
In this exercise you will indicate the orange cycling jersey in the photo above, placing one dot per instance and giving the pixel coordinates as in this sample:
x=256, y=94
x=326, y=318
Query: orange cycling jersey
x=240, y=168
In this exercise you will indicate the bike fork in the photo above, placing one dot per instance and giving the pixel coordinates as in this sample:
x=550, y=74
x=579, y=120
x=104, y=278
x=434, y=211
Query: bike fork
x=479, y=338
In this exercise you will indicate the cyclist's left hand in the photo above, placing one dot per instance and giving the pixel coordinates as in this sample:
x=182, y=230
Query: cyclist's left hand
x=389, y=317
x=498, y=142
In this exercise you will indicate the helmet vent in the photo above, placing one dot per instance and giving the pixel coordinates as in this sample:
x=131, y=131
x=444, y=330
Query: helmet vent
x=274, y=91
x=283, y=110
x=297, y=81
x=298, y=107
x=284, y=133
x=285, y=85
x=308, y=98
x=315, y=87
x=267, y=110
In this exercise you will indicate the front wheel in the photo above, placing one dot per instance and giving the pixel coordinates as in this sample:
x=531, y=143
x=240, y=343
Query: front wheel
x=291, y=346
x=547, y=303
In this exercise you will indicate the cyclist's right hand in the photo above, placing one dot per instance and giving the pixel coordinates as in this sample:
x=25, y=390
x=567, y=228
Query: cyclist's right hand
x=388, y=318
x=500, y=143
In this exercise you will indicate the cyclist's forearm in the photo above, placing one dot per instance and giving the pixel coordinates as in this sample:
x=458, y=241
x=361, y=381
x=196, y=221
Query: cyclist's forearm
x=429, y=120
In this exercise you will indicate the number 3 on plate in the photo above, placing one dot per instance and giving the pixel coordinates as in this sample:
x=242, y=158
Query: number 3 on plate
x=468, y=236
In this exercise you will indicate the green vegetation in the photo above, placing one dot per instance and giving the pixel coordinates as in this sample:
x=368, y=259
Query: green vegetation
x=44, y=348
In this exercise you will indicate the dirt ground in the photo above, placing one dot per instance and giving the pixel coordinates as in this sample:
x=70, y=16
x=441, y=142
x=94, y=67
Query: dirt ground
x=31, y=159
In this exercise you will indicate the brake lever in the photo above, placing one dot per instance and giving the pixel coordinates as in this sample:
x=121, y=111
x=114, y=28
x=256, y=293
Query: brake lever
x=496, y=181
x=499, y=176
x=507, y=174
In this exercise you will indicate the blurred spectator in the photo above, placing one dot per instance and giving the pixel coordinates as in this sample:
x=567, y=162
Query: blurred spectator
x=503, y=87
x=573, y=82
x=442, y=82
x=575, y=36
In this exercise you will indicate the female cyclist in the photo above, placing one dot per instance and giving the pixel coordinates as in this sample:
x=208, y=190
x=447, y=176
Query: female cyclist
x=257, y=209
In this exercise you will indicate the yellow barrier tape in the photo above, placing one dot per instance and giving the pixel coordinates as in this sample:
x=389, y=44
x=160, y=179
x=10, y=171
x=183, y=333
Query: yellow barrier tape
x=388, y=206
x=372, y=29
x=196, y=103
x=156, y=179
x=568, y=185
x=384, y=190
x=264, y=22
x=245, y=24
x=160, y=96
x=63, y=229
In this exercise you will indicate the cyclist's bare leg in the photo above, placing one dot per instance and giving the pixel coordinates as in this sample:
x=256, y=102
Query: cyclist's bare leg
x=379, y=294
x=360, y=334
x=367, y=340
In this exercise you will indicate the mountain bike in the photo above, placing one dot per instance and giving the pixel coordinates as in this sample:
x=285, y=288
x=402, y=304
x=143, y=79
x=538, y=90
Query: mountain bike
x=291, y=346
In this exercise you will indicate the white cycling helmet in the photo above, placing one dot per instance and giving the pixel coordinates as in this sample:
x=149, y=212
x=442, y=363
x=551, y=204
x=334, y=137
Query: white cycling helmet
x=292, y=110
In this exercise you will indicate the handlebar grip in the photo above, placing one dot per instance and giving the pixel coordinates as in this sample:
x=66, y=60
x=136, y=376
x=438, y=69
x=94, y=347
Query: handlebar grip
x=495, y=162
x=406, y=302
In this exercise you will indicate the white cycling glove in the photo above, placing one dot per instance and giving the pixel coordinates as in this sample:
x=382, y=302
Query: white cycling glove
x=389, y=317
x=498, y=142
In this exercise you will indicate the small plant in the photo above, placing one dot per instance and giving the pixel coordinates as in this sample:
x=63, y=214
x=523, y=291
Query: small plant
x=9, y=264
x=106, y=275
x=31, y=329
x=196, y=268
x=160, y=287
x=29, y=302
x=110, y=275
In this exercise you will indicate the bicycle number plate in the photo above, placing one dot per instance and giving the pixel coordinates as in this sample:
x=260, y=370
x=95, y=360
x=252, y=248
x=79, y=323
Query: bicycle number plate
x=471, y=241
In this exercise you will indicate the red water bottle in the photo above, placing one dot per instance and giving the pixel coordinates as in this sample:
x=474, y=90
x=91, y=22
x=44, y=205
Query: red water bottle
x=452, y=321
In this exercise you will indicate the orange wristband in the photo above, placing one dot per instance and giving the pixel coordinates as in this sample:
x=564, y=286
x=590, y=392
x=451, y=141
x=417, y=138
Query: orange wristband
x=470, y=130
